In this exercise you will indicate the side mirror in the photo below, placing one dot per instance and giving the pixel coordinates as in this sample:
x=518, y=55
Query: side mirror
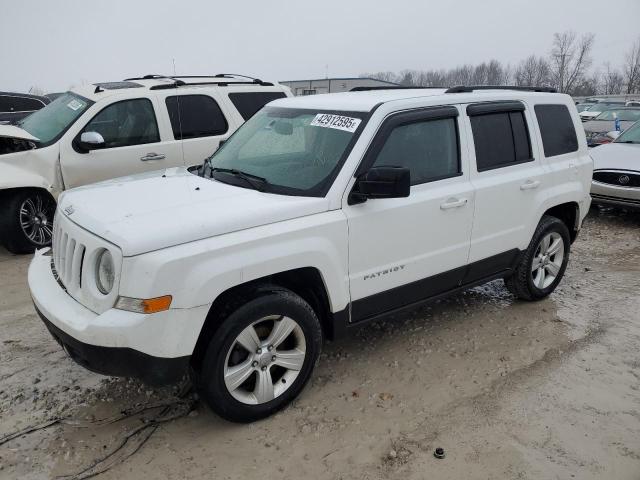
x=381, y=182
x=91, y=141
x=614, y=134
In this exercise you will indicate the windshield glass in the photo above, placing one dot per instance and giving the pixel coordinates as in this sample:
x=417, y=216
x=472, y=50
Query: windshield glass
x=623, y=115
x=50, y=122
x=630, y=135
x=294, y=151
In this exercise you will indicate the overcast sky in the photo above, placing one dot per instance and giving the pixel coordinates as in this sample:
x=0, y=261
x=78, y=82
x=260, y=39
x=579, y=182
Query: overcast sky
x=56, y=44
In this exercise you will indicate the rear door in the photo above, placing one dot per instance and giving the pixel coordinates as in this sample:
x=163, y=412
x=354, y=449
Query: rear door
x=509, y=179
x=199, y=123
x=133, y=144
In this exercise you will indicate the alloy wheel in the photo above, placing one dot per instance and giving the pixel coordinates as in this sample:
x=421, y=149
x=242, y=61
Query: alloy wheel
x=264, y=360
x=547, y=260
x=36, y=219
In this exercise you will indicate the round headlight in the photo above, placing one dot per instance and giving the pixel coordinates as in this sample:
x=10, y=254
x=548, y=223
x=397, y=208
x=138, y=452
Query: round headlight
x=105, y=272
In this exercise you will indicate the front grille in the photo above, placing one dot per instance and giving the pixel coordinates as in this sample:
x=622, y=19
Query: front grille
x=68, y=256
x=618, y=178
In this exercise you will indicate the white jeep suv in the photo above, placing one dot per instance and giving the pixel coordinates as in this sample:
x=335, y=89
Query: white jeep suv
x=107, y=130
x=319, y=214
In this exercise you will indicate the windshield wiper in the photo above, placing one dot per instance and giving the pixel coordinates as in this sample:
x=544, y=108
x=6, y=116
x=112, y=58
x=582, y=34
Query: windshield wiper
x=628, y=141
x=256, y=182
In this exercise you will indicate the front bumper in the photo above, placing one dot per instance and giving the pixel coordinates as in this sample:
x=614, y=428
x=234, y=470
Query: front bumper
x=119, y=361
x=612, y=195
x=153, y=348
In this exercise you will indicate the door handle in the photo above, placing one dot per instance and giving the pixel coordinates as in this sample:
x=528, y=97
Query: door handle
x=453, y=203
x=530, y=185
x=153, y=156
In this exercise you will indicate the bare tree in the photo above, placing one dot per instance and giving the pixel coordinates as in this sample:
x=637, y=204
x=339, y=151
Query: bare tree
x=36, y=90
x=570, y=59
x=532, y=71
x=632, y=68
x=612, y=81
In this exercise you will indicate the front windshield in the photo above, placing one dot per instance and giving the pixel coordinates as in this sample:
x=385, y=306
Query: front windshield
x=294, y=151
x=630, y=135
x=50, y=122
x=622, y=115
x=583, y=106
x=601, y=107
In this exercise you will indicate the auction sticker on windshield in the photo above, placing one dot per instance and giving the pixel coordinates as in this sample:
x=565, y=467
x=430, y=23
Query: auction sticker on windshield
x=327, y=120
x=75, y=104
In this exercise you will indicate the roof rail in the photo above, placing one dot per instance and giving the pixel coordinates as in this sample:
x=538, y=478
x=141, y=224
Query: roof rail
x=390, y=87
x=177, y=78
x=471, y=88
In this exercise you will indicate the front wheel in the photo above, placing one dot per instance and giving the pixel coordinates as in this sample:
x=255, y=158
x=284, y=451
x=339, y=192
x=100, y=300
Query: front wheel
x=261, y=356
x=543, y=264
x=26, y=221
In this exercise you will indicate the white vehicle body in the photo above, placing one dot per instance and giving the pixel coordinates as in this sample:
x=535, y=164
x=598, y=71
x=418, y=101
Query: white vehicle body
x=171, y=232
x=616, y=171
x=50, y=166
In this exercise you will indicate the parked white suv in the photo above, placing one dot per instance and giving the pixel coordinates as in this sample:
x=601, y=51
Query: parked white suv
x=321, y=213
x=108, y=130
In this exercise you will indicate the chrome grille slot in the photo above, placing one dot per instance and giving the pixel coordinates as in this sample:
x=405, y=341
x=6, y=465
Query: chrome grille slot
x=68, y=259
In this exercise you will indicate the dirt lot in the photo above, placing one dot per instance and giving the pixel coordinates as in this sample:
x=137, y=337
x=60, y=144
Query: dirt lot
x=509, y=389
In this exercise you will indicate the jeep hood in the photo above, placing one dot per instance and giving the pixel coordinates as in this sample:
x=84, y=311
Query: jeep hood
x=11, y=131
x=160, y=209
x=616, y=156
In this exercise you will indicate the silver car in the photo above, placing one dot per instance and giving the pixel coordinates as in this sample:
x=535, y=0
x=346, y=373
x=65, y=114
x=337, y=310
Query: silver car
x=616, y=171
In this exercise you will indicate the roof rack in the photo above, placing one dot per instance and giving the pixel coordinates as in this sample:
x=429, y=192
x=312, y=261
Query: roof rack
x=178, y=82
x=390, y=87
x=471, y=88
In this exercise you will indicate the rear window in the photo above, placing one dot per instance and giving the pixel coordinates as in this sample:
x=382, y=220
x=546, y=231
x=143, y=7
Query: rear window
x=501, y=139
x=248, y=103
x=194, y=116
x=557, y=130
x=10, y=103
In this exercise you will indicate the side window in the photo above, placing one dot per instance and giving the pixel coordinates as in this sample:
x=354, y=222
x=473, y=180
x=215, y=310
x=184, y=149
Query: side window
x=248, y=103
x=429, y=149
x=501, y=139
x=129, y=122
x=557, y=130
x=194, y=116
x=23, y=104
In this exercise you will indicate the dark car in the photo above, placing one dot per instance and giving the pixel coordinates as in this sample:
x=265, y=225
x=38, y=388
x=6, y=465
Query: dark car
x=16, y=106
x=596, y=130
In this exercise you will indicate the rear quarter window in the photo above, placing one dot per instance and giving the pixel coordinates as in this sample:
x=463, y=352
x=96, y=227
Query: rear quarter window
x=194, y=116
x=557, y=130
x=249, y=103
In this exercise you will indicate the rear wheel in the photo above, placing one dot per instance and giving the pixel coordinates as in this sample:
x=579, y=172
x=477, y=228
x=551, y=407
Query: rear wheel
x=26, y=221
x=544, y=262
x=261, y=356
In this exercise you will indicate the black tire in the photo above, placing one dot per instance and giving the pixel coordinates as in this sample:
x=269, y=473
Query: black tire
x=238, y=315
x=521, y=283
x=14, y=237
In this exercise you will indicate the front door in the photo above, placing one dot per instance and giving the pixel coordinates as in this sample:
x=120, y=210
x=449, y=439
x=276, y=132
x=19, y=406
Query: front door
x=132, y=144
x=403, y=250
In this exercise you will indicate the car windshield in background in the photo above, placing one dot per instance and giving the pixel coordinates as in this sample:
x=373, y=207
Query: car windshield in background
x=584, y=106
x=287, y=151
x=623, y=115
x=630, y=135
x=50, y=122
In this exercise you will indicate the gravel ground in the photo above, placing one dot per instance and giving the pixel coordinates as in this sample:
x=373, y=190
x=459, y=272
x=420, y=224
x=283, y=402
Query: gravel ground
x=509, y=389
